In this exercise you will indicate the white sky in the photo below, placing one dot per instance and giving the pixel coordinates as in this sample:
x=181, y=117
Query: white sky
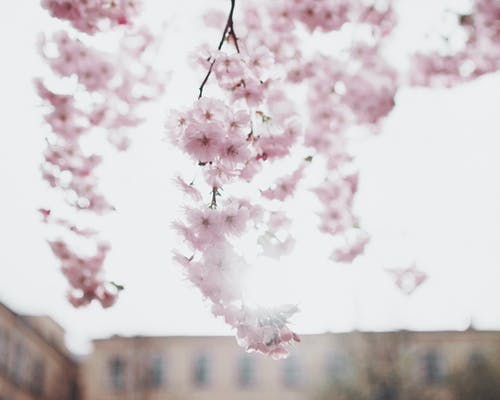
x=429, y=192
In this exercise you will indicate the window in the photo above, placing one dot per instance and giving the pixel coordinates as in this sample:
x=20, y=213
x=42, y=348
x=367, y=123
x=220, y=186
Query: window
x=38, y=378
x=4, y=349
x=73, y=393
x=18, y=363
x=156, y=372
x=385, y=391
x=339, y=367
x=476, y=360
x=433, y=368
x=291, y=372
x=246, y=371
x=117, y=368
x=201, y=370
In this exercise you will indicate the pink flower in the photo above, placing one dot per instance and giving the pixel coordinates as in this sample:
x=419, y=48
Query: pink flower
x=235, y=150
x=176, y=126
x=278, y=220
x=92, y=15
x=205, y=224
x=215, y=19
x=107, y=298
x=281, y=17
x=208, y=110
x=309, y=13
x=238, y=121
x=352, y=249
x=228, y=69
x=188, y=235
x=260, y=60
x=408, y=279
x=285, y=187
x=332, y=16
x=219, y=173
x=369, y=102
x=281, y=107
x=188, y=189
x=251, y=91
x=252, y=19
x=83, y=274
x=251, y=168
x=45, y=214
x=181, y=259
x=202, y=142
x=234, y=220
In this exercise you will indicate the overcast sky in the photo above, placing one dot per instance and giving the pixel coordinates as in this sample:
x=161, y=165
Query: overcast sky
x=430, y=193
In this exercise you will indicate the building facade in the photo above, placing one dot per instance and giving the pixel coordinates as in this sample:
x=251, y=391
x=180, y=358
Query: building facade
x=34, y=363
x=356, y=365
x=403, y=365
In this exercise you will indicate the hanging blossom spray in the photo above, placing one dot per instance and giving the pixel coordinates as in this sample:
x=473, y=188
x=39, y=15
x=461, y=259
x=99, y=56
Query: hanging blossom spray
x=105, y=100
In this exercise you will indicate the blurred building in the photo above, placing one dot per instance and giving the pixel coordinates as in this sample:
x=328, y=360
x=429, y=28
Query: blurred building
x=403, y=365
x=357, y=365
x=34, y=363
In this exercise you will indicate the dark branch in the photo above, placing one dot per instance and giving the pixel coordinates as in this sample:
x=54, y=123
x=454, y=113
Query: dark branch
x=228, y=30
x=215, y=193
x=230, y=27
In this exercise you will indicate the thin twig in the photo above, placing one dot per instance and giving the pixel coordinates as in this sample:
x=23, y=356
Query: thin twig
x=230, y=25
x=215, y=193
x=229, y=29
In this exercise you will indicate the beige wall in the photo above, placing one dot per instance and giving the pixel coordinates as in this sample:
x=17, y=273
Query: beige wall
x=365, y=359
x=52, y=332
x=321, y=367
x=31, y=366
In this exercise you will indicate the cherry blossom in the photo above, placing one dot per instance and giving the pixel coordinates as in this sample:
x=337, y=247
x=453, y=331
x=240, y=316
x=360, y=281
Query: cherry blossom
x=229, y=138
x=90, y=16
x=188, y=189
x=84, y=274
x=408, y=279
x=284, y=187
x=479, y=55
x=112, y=87
x=361, y=91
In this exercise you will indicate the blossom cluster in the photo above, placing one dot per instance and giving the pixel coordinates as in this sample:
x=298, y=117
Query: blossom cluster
x=331, y=15
x=217, y=269
x=285, y=187
x=361, y=92
x=110, y=88
x=253, y=125
x=231, y=138
x=480, y=54
x=118, y=83
x=91, y=16
x=355, y=88
x=83, y=274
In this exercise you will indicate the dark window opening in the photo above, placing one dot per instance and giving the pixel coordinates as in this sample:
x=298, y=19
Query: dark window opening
x=156, y=372
x=201, y=371
x=246, y=376
x=38, y=378
x=433, y=368
x=117, y=368
x=291, y=372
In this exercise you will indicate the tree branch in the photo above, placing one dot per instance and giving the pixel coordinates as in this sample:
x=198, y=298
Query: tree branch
x=215, y=193
x=229, y=29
